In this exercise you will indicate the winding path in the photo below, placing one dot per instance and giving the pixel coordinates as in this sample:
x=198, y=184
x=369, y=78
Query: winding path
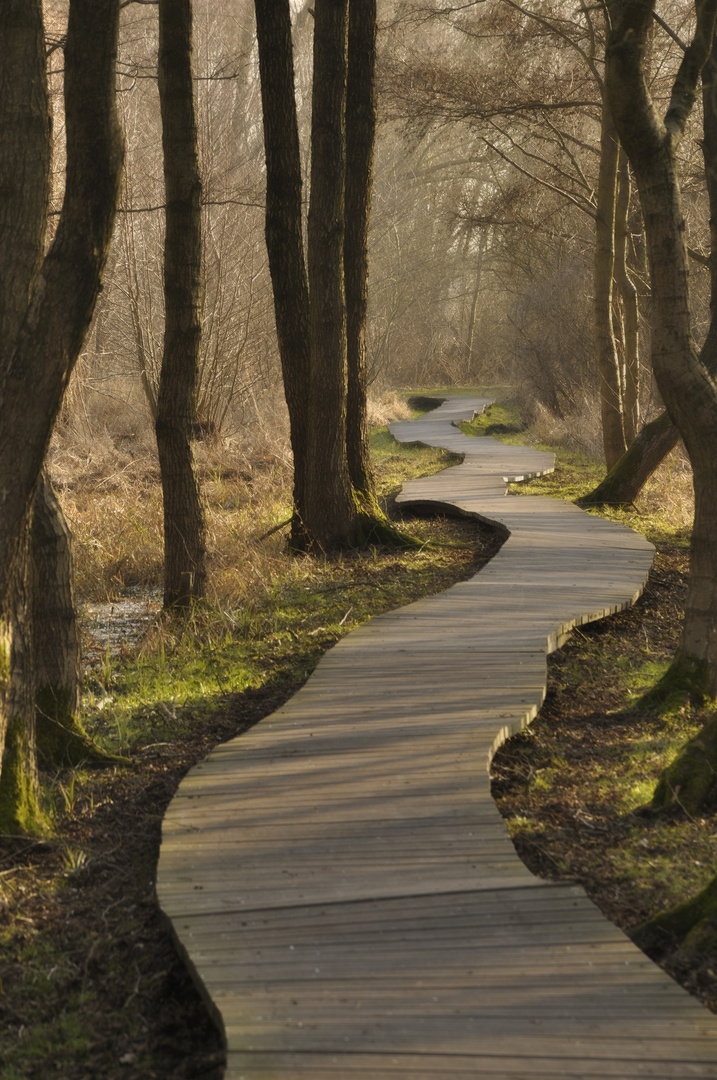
x=339, y=878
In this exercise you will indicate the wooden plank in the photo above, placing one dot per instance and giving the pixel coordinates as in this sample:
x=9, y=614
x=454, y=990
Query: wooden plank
x=242, y=1065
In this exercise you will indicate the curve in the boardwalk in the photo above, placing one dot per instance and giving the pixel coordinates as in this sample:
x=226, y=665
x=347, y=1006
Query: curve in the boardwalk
x=339, y=878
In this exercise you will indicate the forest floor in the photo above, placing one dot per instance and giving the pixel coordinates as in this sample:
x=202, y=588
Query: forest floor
x=91, y=986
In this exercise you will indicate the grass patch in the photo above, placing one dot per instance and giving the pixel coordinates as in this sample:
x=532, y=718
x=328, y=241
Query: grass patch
x=503, y=419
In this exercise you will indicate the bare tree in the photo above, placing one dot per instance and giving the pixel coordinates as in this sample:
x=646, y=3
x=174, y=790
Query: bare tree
x=175, y=423
x=311, y=301
x=360, y=139
x=683, y=374
x=57, y=316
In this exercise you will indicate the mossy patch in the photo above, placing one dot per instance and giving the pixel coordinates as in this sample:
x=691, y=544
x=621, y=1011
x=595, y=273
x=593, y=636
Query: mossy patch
x=20, y=812
x=61, y=738
x=691, y=925
x=690, y=781
x=502, y=419
x=684, y=683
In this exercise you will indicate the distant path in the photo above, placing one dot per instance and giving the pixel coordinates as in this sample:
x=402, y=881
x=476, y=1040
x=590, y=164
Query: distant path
x=339, y=877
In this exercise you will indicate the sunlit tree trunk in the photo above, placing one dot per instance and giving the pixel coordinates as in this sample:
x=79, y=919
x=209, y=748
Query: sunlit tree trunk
x=628, y=476
x=61, y=739
x=611, y=406
x=24, y=183
x=284, y=233
x=687, y=388
x=19, y=806
x=184, y=530
x=360, y=137
x=314, y=313
x=627, y=294
x=330, y=507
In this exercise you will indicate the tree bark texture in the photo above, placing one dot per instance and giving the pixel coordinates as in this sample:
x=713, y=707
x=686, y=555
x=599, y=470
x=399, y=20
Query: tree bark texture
x=184, y=529
x=330, y=505
x=19, y=806
x=24, y=161
x=627, y=293
x=55, y=637
x=686, y=386
x=360, y=137
x=284, y=232
x=24, y=197
x=611, y=406
x=709, y=153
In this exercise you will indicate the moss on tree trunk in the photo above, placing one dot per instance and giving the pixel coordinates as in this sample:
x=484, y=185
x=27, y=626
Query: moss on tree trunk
x=20, y=812
x=625, y=480
x=61, y=739
x=691, y=779
x=692, y=925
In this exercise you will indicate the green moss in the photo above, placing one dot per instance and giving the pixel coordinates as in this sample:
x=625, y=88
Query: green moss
x=503, y=418
x=63, y=1039
x=20, y=812
x=5, y=649
x=691, y=779
x=686, y=682
x=61, y=739
x=692, y=925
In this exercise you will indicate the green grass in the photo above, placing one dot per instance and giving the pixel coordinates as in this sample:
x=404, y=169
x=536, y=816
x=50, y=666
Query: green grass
x=503, y=411
x=60, y=1036
x=186, y=665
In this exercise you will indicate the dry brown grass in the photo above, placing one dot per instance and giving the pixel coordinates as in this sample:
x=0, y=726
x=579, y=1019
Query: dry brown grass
x=107, y=476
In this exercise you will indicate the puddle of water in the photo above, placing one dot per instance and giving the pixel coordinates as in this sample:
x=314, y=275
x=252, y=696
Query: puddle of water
x=114, y=625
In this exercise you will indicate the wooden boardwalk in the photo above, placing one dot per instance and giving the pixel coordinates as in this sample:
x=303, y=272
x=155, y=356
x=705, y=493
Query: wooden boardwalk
x=339, y=878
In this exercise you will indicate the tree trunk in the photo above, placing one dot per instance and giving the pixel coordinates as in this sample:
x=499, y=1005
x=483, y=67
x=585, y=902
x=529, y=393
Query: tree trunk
x=360, y=136
x=184, y=531
x=610, y=396
x=24, y=161
x=692, y=925
x=34, y=375
x=627, y=478
x=330, y=515
x=687, y=388
x=66, y=288
x=284, y=233
x=19, y=805
x=628, y=297
x=709, y=153
x=61, y=738
x=25, y=187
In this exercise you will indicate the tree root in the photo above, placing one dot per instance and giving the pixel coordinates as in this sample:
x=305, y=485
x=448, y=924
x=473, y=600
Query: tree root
x=691, y=925
x=690, y=781
x=61, y=739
